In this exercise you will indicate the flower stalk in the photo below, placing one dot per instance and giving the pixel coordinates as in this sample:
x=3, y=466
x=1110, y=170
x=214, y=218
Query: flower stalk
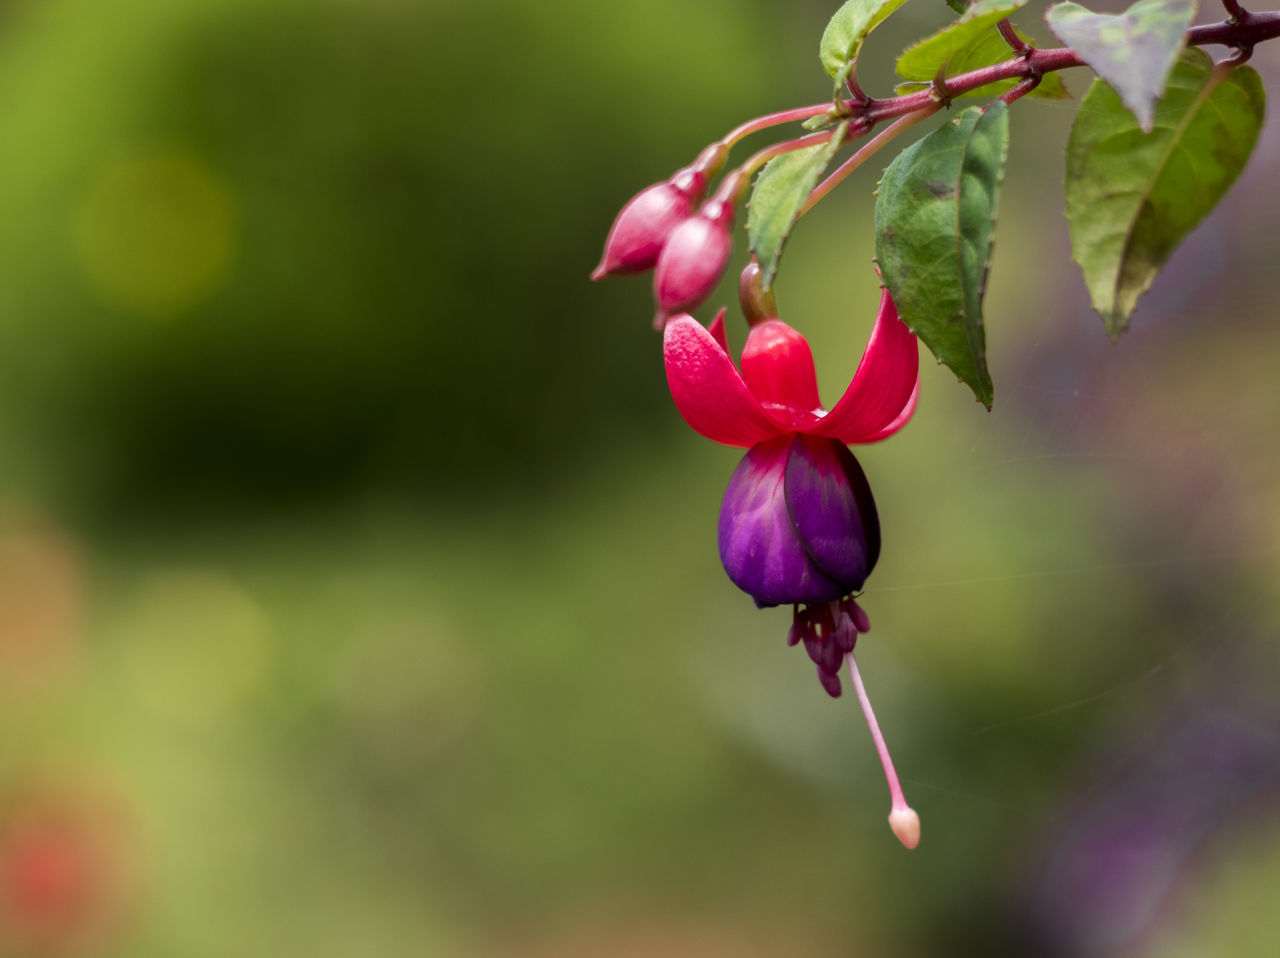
x=761, y=157
x=863, y=154
x=756, y=124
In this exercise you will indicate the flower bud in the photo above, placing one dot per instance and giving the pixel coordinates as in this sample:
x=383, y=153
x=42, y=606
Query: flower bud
x=693, y=259
x=643, y=225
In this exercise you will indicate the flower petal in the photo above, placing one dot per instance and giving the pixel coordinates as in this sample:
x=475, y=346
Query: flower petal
x=878, y=401
x=832, y=510
x=759, y=546
x=707, y=388
x=777, y=365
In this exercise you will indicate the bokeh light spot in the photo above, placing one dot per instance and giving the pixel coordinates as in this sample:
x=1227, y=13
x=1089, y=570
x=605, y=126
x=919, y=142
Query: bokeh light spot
x=408, y=687
x=194, y=645
x=154, y=233
x=67, y=872
x=41, y=601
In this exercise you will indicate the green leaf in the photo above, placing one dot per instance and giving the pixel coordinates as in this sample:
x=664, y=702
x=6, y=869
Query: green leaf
x=935, y=223
x=1132, y=197
x=779, y=195
x=843, y=37
x=924, y=59
x=1133, y=51
x=958, y=5
x=969, y=43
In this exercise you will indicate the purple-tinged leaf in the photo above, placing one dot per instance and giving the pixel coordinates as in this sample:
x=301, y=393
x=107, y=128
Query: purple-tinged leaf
x=1133, y=51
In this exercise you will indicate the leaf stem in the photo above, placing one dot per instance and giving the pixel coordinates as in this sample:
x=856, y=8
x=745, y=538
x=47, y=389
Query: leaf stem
x=855, y=90
x=1011, y=37
x=1236, y=12
x=874, y=144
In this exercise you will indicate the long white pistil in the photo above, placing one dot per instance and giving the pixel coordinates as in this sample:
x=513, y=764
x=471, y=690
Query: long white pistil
x=902, y=818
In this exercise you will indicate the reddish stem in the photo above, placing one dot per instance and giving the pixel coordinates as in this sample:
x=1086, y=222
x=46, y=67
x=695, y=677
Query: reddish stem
x=1235, y=11
x=731, y=188
x=773, y=119
x=761, y=157
x=853, y=162
x=1011, y=37
x=1022, y=89
x=1253, y=28
x=1242, y=30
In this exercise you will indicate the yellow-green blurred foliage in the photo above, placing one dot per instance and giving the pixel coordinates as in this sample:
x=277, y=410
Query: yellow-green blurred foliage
x=358, y=582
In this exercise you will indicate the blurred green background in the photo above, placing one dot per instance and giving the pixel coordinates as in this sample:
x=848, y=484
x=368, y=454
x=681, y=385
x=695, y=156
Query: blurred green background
x=358, y=582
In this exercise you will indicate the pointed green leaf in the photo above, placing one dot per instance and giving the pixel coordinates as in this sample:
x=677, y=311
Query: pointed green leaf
x=935, y=223
x=850, y=25
x=1132, y=197
x=925, y=58
x=958, y=5
x=779, y=195
x=1133, y=51
x=972, y=42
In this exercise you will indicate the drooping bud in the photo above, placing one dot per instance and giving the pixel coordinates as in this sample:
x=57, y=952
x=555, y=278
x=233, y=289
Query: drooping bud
x=693, y=259
x=644, y=223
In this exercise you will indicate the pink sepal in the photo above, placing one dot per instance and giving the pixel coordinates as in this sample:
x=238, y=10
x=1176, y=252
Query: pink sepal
x=903, y=418
x=880, y=399
x=707, y=388
x=717, y=331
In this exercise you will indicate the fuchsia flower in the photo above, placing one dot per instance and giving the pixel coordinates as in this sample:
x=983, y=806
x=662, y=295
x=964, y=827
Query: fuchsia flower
x=798, y=525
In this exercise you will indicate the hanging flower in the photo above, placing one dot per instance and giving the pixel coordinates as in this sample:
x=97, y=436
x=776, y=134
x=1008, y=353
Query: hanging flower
x=798, y=525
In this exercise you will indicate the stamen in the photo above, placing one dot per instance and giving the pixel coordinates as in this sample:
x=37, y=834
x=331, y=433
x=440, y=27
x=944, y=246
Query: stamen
x=859, y=616
x=902, y=817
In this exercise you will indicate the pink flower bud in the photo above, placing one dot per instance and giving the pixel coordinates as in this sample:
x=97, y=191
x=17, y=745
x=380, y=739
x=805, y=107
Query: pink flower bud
x=643, y=225
x=693, y=259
